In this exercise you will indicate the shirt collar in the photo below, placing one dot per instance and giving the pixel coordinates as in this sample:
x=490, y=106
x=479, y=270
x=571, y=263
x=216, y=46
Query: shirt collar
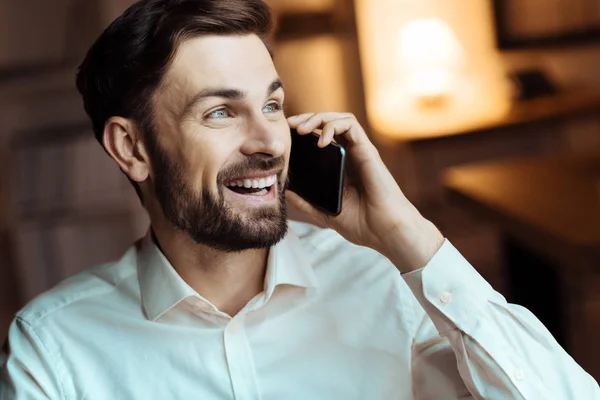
x=162, y=288
x=288, y=264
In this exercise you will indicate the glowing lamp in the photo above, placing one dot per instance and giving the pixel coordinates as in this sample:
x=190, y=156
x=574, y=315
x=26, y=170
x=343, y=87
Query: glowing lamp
x=430, y=59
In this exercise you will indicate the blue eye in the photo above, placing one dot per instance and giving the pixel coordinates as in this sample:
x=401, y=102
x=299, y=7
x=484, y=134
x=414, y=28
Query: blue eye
x=219, y=114
x=272, y=107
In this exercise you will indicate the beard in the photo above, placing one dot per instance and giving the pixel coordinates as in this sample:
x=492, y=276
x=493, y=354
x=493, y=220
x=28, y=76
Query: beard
x=206, y=218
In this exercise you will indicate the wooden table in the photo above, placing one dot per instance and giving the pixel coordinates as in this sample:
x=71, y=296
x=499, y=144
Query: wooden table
x=548, y=210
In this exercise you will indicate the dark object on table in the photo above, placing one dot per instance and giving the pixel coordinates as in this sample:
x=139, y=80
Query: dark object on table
x=531, y=84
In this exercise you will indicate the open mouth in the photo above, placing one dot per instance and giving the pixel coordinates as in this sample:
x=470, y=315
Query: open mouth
x=254, y=187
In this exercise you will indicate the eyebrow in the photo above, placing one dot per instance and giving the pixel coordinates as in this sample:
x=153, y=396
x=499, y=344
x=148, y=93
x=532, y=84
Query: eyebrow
x=277, y=84
x=232, y=94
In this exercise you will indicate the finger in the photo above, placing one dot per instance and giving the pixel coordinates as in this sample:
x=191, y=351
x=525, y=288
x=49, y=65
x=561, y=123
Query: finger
x=305, y=207
x=350, y=129
x=331, y=129
x=318, y=120
x=295, y=120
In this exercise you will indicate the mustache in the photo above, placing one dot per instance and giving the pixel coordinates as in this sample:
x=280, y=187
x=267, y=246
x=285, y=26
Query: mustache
x=248, y=166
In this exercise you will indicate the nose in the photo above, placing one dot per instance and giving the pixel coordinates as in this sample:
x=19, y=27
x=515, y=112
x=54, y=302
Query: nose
x=268, y=138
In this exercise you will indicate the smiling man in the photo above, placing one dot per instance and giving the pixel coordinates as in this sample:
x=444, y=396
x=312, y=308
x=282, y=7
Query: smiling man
x=221, y=300
x=219, y=167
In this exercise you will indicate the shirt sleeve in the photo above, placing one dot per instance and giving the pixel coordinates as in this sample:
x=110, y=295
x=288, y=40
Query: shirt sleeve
x=501, y=350
x=27, y=369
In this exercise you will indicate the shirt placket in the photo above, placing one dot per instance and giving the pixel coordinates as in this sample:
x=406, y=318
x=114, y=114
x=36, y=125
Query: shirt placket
x=240, y=361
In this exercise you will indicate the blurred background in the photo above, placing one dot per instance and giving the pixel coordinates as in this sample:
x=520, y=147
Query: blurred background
x=487, y=112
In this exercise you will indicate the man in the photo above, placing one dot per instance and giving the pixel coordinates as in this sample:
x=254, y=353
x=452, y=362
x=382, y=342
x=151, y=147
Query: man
x=221, y=300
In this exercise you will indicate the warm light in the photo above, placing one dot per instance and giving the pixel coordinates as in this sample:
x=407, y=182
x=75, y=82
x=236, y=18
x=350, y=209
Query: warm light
x=435, y=50
x=429, y=42
x=431, y=82
x=429, y=57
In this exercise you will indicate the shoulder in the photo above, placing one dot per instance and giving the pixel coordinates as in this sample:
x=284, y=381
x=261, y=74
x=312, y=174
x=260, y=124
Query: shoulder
x=322, y=242
x=93, y=286
x=335, y=258
x=324, y=239
x=359, y=277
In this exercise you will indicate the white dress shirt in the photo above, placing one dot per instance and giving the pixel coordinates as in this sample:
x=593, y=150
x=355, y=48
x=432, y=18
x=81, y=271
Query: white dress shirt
x=335, y=321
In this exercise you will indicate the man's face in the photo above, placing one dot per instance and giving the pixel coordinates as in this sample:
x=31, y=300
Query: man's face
x=219, y=128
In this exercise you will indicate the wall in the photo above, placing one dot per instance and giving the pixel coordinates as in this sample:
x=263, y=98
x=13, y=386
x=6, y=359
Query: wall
x=29, y=37
x=51, y=37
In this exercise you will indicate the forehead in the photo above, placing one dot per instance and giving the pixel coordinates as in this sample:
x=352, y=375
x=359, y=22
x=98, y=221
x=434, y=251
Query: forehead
x=238, y=62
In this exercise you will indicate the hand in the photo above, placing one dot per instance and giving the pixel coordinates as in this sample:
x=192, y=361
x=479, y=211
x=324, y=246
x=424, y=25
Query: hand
x=375, y=212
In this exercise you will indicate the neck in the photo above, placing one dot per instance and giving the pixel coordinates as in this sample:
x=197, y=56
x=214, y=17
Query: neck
x=228, y=280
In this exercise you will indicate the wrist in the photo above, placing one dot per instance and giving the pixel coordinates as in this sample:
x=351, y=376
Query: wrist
x=412, y=243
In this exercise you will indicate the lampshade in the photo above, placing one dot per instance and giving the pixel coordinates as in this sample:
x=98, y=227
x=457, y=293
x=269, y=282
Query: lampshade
x=429, y=42
x=428, y=48
x=430, y=57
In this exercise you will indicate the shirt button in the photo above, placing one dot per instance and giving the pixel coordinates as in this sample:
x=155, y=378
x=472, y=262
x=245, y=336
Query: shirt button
x=519, y=375
x=446, y=297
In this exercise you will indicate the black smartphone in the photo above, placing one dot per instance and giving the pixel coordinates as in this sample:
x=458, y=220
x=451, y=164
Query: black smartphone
x=317, y=174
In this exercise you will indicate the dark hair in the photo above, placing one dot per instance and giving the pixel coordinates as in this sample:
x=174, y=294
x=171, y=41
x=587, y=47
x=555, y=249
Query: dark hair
x=125, y=66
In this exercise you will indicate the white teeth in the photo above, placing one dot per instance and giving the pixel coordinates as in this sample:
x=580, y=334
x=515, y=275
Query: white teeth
x=255, y=183
x=261, y=192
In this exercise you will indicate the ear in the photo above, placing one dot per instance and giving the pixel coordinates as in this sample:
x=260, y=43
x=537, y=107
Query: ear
x=122, y=140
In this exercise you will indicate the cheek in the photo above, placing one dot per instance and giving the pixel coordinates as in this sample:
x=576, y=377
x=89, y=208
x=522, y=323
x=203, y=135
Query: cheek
x=207, y=158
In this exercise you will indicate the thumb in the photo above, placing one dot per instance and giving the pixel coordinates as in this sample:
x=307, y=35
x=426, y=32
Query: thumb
x=305, y=207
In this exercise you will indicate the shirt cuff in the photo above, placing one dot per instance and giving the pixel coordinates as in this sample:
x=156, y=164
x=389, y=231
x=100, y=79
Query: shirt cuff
x=450, y=290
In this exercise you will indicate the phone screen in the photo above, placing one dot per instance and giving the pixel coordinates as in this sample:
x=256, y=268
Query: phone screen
x=317, y=174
